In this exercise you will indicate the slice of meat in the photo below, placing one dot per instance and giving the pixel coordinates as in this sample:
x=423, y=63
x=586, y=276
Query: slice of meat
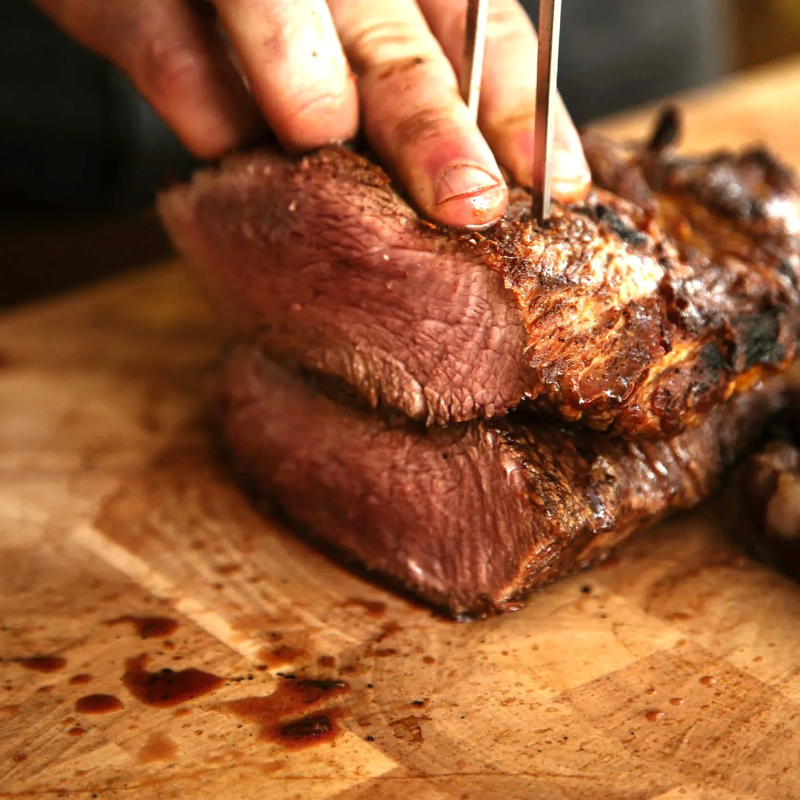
x=601, y=316
x=475, y=516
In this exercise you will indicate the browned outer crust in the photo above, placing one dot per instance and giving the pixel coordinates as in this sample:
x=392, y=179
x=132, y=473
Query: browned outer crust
x=634, y=312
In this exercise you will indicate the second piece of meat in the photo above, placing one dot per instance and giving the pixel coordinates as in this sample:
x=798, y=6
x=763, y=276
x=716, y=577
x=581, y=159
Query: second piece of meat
x=475, y=516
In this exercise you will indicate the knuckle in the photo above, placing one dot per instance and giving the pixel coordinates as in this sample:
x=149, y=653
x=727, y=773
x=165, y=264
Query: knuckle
x=381, y=41
x=314, y=115
x=312, y=103
x=402, y=66
x=425, y=125
x=143, y=41
x=165, y=65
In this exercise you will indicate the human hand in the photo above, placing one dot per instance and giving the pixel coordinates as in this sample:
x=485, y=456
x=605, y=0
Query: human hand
x=314, y=68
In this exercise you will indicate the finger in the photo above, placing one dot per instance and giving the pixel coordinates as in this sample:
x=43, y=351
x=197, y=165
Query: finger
x=176, y=59
x=508, y=92
x=295, y=67
x=413, y=115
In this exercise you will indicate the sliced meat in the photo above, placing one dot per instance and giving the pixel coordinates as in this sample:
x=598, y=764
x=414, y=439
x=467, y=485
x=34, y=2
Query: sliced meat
x=662, y=294
x=475, y=516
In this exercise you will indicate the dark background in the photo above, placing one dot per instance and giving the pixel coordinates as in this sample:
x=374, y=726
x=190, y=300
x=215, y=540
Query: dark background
x=81, y=154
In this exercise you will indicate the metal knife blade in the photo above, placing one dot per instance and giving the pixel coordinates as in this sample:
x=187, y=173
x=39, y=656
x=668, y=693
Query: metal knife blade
x=546, y=80
x=474, y=48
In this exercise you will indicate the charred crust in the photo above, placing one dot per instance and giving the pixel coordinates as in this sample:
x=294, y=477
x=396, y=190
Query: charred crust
x=715, y=362
x=761, y=340
x=625, y=232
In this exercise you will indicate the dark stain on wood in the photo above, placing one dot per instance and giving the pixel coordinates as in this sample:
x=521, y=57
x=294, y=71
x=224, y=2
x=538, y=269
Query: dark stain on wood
x=158, y=747
x=148, y=627
x=42, y=663
x=282, y=655
x=409, y=728
x=98, y=704
x=284, y=716
x=166, y=688
x=373, y=608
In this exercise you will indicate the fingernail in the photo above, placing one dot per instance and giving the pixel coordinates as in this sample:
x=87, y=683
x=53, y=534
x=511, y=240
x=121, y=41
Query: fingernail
x=463, y=180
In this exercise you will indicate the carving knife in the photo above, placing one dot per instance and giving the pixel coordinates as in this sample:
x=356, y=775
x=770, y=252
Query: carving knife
x=546, y=79
x=474, y=47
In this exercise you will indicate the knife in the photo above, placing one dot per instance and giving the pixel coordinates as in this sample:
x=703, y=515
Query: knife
x=546, y=79
x=474, y=48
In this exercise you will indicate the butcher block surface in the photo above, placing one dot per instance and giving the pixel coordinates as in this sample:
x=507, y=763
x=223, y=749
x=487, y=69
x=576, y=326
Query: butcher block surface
x=161, y=636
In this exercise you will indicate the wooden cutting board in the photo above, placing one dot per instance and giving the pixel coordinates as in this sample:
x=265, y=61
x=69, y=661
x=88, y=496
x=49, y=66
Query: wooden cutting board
x=126, y=550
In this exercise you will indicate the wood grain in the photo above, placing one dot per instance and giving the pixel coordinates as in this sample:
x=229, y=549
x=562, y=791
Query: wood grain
x=671, y=673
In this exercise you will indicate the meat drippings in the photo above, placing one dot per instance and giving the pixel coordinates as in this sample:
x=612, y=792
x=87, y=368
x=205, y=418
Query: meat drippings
x=167, y=687
x=292, y=715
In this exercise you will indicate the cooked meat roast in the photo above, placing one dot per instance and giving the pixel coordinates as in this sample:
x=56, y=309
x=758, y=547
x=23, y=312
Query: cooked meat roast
x=475, y=516
x=409, y=393
x=770, y=486
x=673, y=286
